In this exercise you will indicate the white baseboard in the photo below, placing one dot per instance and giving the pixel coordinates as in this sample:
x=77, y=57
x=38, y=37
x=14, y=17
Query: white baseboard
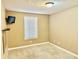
x=26, y=46
x=69, y=52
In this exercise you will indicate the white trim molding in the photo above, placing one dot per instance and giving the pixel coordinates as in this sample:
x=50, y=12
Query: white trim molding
x=27, y=46
x=71, y=53
x=65, y=50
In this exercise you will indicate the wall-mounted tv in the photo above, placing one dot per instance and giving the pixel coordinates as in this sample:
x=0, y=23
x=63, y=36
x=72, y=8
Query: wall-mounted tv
x=10, y=19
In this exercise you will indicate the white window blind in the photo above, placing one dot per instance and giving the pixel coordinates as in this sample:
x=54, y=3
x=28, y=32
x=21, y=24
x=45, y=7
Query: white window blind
x=30, y=27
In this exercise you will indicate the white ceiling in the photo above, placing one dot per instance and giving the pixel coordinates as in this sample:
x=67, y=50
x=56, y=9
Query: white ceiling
x=37, y=6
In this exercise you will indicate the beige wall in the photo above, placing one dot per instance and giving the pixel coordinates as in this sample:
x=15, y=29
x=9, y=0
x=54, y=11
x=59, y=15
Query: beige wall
x=16, y=35
x=63, y=29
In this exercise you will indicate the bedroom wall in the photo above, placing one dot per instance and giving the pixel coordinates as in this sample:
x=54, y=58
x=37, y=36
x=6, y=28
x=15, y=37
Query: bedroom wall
x=63, y=29
x=16, y=34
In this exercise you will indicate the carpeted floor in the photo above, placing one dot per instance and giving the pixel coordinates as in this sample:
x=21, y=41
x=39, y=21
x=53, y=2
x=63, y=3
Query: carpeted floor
x=43, y=51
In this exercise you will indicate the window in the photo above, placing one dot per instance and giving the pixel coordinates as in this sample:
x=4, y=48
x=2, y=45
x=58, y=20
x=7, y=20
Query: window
x=30, y=27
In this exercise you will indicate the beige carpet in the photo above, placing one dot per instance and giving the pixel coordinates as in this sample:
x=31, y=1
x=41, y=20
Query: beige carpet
x=43, y=51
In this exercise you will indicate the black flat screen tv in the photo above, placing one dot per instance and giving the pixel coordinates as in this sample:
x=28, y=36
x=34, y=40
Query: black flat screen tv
x=10, y=19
